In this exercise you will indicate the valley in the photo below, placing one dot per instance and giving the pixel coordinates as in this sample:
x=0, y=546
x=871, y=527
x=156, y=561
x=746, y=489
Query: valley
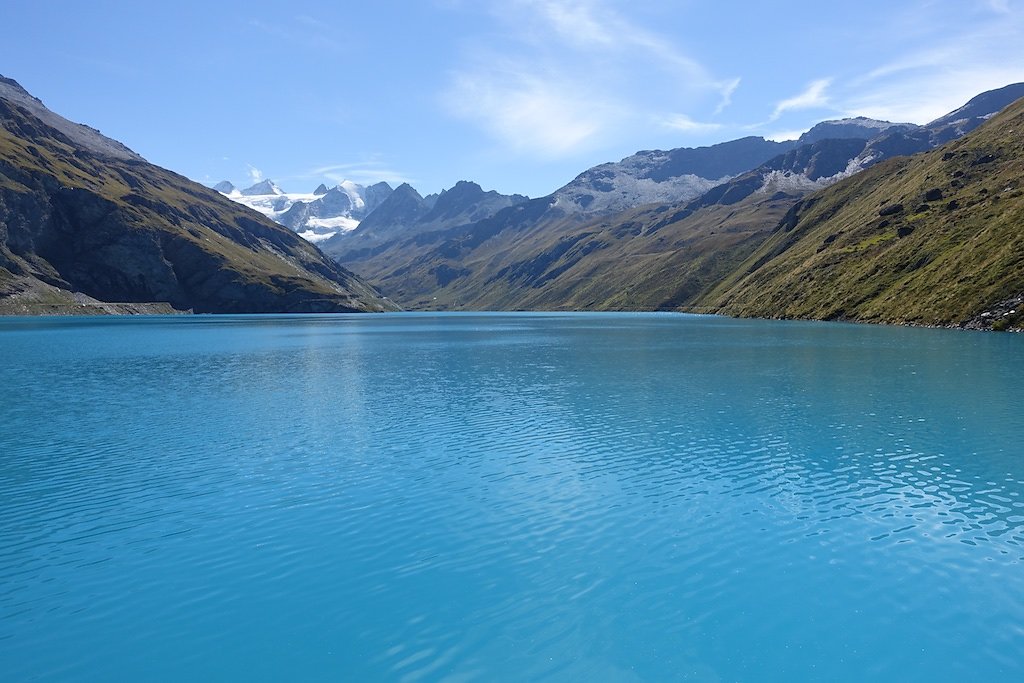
x=857, y=219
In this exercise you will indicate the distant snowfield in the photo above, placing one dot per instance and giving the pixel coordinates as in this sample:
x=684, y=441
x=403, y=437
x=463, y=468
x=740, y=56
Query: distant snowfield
x=315, y=237
x=271, y=205
x=322, y=229
x=276, y=203
x=355, y=193
x=338, y=223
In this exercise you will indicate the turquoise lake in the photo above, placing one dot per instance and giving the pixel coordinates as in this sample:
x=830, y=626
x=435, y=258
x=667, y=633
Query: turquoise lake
x=508, y=497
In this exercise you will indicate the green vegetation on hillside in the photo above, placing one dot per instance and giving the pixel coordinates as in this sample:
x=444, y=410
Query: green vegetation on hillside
x=127, y=231
x=650, y=258
x=933, y=239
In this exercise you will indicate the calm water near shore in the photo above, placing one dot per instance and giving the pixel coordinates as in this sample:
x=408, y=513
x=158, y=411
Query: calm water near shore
x=504, y=497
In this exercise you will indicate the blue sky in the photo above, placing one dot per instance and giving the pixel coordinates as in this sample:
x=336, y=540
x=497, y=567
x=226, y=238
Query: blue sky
x=518, y=95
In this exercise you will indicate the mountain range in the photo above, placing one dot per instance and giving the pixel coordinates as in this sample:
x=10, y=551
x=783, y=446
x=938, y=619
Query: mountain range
x=858, y=219
x=643, y=178
x=647, y=177
x=88, y=226
x=935, y=238
x=610, y=240
x=316, y=216
x=329, y=213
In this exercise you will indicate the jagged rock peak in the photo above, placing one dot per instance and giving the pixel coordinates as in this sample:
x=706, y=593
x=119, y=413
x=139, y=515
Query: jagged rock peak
x=407, y=190
x=320, y=190
x=464, y=189
x=860, y=128
x=262, y=187
x=224, y=187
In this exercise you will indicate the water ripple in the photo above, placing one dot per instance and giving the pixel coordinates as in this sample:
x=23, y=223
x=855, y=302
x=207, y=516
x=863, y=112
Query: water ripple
x=508, y=497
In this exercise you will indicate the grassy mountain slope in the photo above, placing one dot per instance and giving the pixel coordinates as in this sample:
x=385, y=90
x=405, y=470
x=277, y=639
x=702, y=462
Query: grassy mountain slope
x=79, y=226
x=936, y=239
x=646, y=259
x=459, y=261
x=690, y=253
x=654, y=257
x=650, y=258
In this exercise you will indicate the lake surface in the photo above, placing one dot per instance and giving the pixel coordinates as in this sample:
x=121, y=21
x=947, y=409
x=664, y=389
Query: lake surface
x=581, y=497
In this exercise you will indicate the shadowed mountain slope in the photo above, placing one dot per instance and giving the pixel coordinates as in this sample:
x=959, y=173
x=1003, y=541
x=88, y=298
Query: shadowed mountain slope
x=83, y=220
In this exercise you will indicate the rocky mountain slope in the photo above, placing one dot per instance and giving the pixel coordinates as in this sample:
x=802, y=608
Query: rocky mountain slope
x=394, y=244
x=666, y=255
x=404, y=215
x=968, y=117
x=316, y=216
x=680, y=175
x=333, y=211
x=330, y=217
x=85, y=222
x=656, y=176
x=936, y=239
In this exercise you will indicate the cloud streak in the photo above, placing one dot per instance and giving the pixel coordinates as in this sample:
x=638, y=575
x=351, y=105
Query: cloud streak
x=813, y=97
x=727, y=90
x=360, y=172
x=592, y=26
x=922, y=84
x=534, y=90
x=684, y=123
x=529, y=112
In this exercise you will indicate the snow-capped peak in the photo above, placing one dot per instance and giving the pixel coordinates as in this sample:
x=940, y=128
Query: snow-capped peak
x=265, y=187
x=859, y=127
x=316, y=216
x=355, y=193
x=864, y=122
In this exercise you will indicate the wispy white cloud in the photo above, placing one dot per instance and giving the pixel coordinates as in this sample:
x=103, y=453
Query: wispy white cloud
x=255, y=174
x=924, y=59
x=684, y=123
x=528, y=112
x=576, y=21
x=367, y=172
x=931, y=95
x=953, y=55
x=728, y=88
x=593, y=26
x=813, y=97
x=562, y=78
x=922, y=84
